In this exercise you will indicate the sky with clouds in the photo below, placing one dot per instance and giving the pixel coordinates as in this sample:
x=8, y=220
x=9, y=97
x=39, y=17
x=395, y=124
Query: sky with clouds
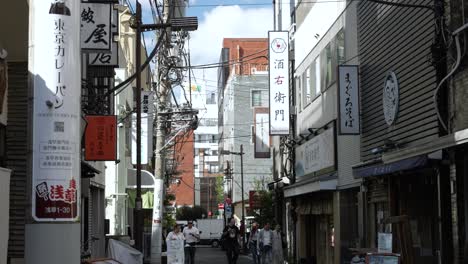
x=218, y=19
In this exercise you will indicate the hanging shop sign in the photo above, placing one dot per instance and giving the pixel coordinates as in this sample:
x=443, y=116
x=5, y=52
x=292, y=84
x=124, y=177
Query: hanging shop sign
x=56, y=111
x=105, y=58
x=348, y=96
x=279, y=82
x=316, y=154
x=254, y=200
x=261, y=133
x=101, y=138
x=96, y=26
x=391, y=98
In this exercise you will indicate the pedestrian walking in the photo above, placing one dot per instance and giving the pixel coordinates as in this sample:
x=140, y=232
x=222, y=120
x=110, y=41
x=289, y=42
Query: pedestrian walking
x=231, y=236
x=278, y=246
x=253, y=238
x=192, y=237
x=265, y=241
x=175, y=246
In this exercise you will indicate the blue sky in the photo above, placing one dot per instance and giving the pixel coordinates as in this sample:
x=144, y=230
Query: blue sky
x=218, y=19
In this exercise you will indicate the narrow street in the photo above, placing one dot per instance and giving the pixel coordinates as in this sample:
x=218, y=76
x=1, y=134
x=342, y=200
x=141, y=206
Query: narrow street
x=209, y=255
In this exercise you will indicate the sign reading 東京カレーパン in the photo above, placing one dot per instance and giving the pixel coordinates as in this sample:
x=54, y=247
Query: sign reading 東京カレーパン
x=56, y=73
x=279, y=82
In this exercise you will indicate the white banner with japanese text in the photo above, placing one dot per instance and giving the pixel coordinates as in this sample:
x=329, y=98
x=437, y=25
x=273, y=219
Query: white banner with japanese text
x=96, y=26
x=54, y=65
x=348, y=80
x=279, y=82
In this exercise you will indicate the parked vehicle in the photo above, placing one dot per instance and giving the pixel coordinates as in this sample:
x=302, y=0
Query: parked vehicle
x=210, y=231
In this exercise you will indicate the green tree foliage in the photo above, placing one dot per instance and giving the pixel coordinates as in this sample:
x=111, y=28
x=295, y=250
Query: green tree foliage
x=220, y=189
x=189, y=213
x=265, y=213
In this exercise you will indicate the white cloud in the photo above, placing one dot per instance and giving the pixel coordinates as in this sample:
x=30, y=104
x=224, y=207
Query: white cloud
x=226, y=22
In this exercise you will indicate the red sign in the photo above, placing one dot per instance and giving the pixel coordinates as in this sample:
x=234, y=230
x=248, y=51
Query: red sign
x=101, y=138
x=254, y=199
x=55, y=201
x=220, y=206
x=210, y=213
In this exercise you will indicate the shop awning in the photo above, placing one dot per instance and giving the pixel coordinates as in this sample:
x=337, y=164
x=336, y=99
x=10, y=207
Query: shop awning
x=452, y=140
x=87, y=170
x=380, y=168
x=147, y=179
x=316, y=185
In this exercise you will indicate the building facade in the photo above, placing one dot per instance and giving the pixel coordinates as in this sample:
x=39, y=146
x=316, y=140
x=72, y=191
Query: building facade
x=243, y=116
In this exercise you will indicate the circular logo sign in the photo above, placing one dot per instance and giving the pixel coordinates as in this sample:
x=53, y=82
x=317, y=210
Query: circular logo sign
x=278, y=45
x=391, y=98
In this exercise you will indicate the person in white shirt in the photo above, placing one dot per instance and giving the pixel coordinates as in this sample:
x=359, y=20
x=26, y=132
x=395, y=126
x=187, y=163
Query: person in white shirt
x=265, y=242
x=175, y=246
x=192, y=236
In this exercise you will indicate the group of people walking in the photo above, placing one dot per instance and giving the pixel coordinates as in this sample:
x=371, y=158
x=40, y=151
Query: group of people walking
x=265, y=245
x=181, y=245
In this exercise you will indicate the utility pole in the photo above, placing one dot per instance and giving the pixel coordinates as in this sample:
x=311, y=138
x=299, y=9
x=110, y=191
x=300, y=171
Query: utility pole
x=138, y=214
x=241, y=154
x=159, y=168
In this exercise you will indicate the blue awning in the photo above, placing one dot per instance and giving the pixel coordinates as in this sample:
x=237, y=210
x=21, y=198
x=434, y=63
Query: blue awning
x=382, y=168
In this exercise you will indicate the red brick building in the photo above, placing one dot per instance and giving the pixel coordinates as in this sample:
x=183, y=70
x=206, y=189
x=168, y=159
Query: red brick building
x=249, y=54
x=183, y=178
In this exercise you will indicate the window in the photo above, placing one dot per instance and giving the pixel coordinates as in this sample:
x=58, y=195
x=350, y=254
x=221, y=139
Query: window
x=306, y=87
x=340, y=48
x=256, y=98
x=195, y=167
x=328, y=66
x=299, y=93
x=211, y=98
x=259, y=98
x=317, y=76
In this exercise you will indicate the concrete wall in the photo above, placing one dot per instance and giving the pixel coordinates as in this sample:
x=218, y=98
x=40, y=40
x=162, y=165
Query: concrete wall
x=4, y=217
x=240, y=118
x=318, y=21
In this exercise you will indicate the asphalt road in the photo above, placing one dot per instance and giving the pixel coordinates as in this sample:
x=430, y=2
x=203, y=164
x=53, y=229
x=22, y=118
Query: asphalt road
x=209, y=255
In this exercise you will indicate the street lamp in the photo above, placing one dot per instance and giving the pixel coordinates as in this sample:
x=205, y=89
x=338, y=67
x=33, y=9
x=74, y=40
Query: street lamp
x=241, y=154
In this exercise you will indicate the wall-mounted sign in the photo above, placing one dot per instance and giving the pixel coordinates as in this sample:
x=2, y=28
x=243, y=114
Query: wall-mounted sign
x=96, y=26
x=348, y=96
x=262, y=135
x=101, y=138
x=144, y=139
x=391, y=98
x=105, y=58
x=279, y=82
x=316, y=154
x=56, y=113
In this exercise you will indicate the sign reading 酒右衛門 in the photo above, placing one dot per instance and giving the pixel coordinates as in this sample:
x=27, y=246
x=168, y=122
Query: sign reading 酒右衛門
x=279, y=82
x=96, y=26
x=348, y=99
x=56, y=112
x=101, y=138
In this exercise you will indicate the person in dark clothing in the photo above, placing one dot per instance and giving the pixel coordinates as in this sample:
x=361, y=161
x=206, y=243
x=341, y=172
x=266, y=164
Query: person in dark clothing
x=231, y=235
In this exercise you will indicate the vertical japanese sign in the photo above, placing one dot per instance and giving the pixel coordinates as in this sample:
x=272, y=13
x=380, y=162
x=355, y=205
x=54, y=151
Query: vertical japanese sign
x=148, y=108
x=279, y=82
x=96, y=26
x=101, y=138
x=144, y=138
x=54, y=53
x=348, y=96
x=262, y=135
